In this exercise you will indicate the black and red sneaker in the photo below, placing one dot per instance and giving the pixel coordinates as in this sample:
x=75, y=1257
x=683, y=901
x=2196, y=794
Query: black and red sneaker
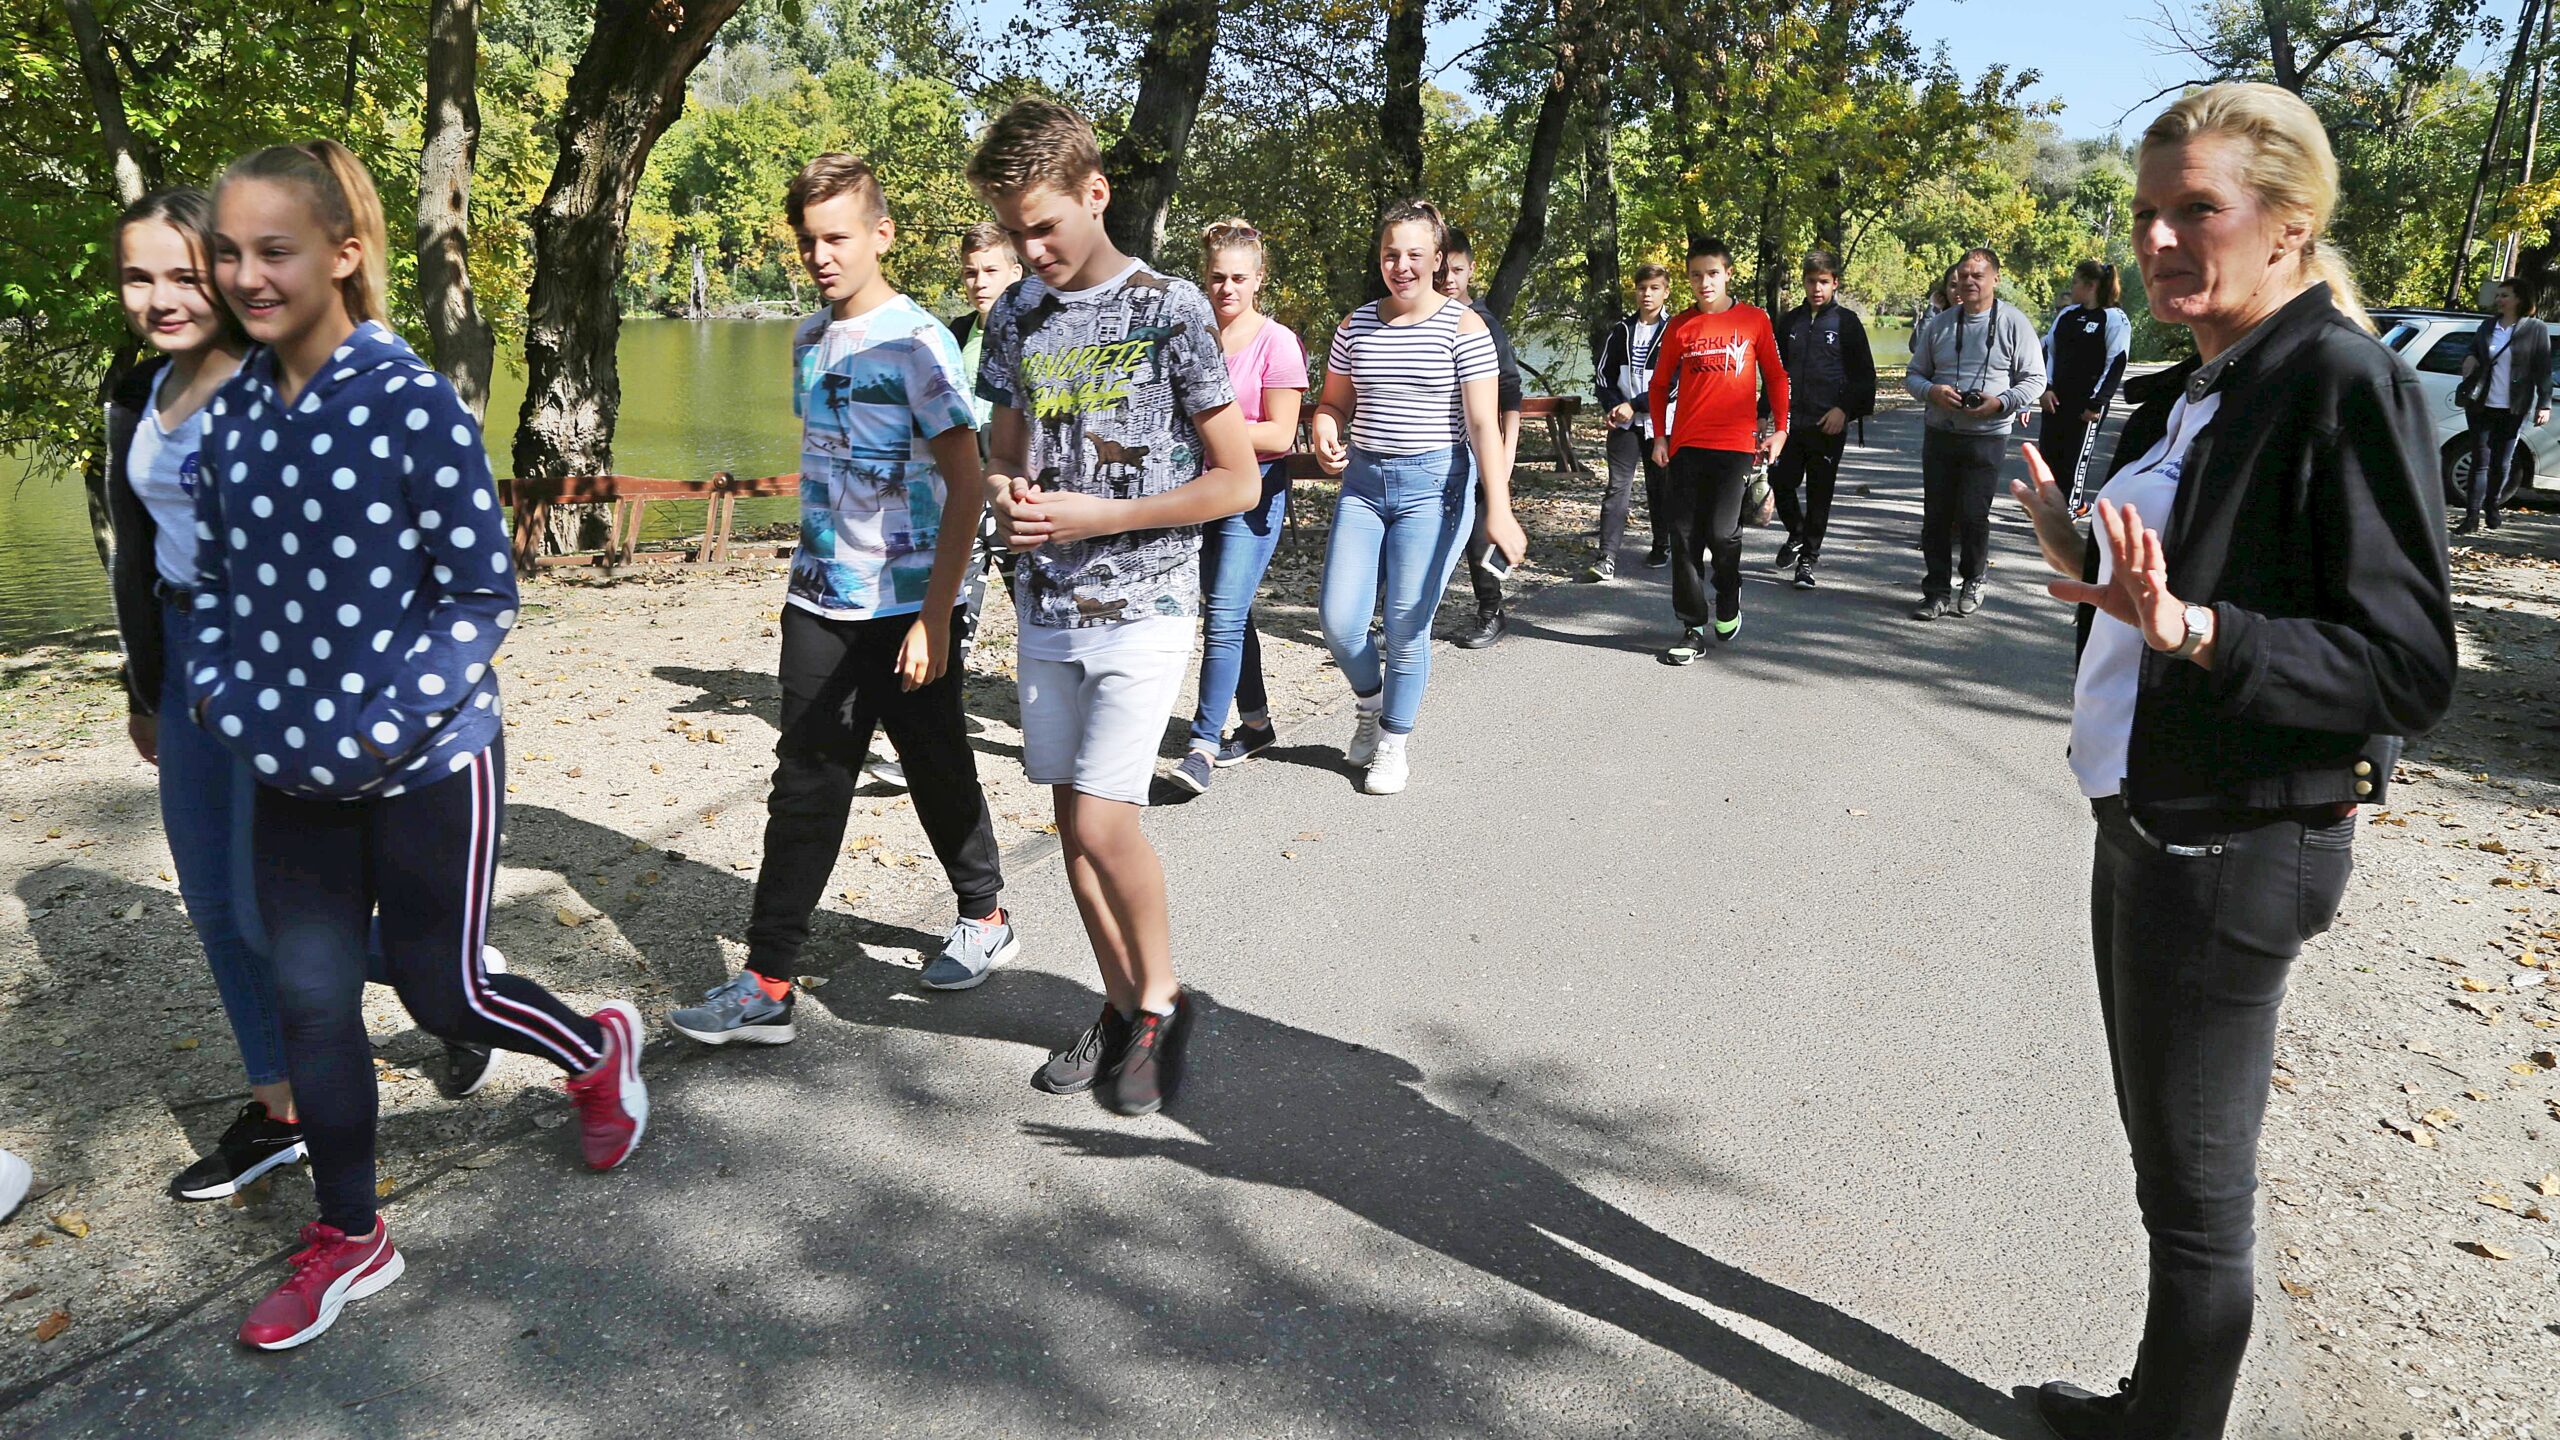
x=1150, y=1068
x=328, y=1273
x=1086, y=1058
x=612, y=1100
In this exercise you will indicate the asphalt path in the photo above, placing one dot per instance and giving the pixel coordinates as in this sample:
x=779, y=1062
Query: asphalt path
x=1700, y=1052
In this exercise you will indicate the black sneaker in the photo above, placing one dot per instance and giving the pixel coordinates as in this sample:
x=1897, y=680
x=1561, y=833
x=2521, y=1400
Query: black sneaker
x=465, y=1069
x=1657, y=558
x=1244, y=742
x=2076, y=1414
x=1935, y=607
x=2470, y=526
x=1804, y=573
x=1686, y=650
x=1969, y=599
x=1789, y=553
x=2493, y=519
x=1486, y=629
x=1150, y=1067
x=1073, y=1070
x=1601, y=571
x=255, y=1144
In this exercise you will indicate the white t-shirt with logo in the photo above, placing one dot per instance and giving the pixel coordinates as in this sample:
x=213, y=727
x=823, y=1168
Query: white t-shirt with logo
x=161, y=466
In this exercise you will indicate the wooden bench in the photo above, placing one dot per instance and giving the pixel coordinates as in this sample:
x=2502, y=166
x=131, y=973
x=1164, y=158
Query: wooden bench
x=630, y=496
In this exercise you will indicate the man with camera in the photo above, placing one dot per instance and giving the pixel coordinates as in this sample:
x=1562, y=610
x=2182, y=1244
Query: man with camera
x=1975, y=368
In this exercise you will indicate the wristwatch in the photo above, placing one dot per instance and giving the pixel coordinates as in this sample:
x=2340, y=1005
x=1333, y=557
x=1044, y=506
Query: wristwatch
x=2199, y=630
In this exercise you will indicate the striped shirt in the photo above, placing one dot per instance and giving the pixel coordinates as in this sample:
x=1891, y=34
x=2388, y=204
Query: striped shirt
x=1407, y=379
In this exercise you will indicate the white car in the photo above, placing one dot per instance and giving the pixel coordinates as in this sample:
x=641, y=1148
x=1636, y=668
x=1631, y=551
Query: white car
x=2435, y=342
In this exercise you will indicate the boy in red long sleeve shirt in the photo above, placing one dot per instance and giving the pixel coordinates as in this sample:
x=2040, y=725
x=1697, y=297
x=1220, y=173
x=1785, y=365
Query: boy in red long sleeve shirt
x=1720, y=361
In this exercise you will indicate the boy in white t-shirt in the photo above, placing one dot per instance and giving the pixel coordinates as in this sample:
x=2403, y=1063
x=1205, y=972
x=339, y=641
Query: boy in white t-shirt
x=1115, y=436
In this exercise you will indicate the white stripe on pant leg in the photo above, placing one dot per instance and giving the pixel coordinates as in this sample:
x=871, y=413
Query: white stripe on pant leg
x=479, y=877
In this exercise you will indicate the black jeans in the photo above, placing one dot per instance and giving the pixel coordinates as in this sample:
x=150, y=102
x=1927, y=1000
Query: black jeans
x=1813, y=458
x=2068, y=443
x=839, y=682
x=1629, y=450
x=2195, y=920
x=1702, y=513
x=426, y=859
x=2493, y=449
x=1959, y=474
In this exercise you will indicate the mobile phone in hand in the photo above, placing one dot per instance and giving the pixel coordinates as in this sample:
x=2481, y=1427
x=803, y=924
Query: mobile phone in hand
x=1495, y=564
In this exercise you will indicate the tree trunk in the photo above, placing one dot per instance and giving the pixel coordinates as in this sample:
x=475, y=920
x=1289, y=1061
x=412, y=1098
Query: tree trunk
x=133, y=177
x=2488, y=156
x=2280, y=45
x=1684, y=144
x=1537, y=181
x=1143, y=163
x=627, y=88
x=1602, y=301
x=1400, y=114
x=457, y=333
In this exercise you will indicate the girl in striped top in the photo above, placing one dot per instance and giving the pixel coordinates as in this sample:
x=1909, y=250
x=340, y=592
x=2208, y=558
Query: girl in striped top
x=1412, y=376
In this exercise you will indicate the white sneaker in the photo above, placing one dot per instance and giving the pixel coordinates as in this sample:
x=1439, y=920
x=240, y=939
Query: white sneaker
x=492, y=960
x=888, y=772
x=1364, y=739
x=15, y=1177
x=1387, y=772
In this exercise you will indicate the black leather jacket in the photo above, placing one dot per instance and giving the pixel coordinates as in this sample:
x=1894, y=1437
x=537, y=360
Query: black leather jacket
x=2310, y=519
x=132, y=571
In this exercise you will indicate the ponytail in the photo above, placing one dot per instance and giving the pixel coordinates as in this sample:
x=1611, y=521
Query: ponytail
x=343, y=200
x=2101, y=277
x=2323, y=265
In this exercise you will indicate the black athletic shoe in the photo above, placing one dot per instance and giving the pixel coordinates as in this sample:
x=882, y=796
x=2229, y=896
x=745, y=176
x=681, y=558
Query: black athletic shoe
x=2076, y=1414
x=1789, y=553
x=255, y=1144
x=1150, y=1067
x=2493, y=519
x=1936, y=607
x=1686, y=650
x=1601, y=571
x=465, y=1069
x=1657, y=558
x=1073, y=1070
x=1486, y=629
x=1804, y=573
x=1969, y=599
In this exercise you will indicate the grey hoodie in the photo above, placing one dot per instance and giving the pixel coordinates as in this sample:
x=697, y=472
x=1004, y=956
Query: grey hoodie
x=1998, y=354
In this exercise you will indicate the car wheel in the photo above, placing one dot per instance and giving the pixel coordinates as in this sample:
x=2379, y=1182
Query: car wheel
x=2457, y=473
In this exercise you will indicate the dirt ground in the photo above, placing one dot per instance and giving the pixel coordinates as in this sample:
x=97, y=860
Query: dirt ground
x=641, y=715
x=2412, y=1151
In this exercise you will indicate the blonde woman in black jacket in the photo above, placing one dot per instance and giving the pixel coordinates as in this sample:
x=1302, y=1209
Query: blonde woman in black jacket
x=2506, y=379
x=2265, y=612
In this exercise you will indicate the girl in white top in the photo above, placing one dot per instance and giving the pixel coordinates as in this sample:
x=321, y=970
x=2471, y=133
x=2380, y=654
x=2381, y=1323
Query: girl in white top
x=1411, y=377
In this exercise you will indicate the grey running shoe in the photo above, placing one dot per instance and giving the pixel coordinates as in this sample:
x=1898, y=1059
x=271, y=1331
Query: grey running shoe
x=1935, y=607
x=739, y=1011
x=1149, y=1071
x=1969, y=599
x=1073, y=1070
x=970, y=951
x=1364, y=738
x=1193, y=773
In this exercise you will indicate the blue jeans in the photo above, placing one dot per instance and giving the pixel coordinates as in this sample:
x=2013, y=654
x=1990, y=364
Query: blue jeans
x=1408, y=515
x=1234, y=552
x=205, y=795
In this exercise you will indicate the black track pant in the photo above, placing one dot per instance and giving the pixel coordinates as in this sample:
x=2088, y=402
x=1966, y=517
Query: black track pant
x=1813, y=459
x=1702, y=515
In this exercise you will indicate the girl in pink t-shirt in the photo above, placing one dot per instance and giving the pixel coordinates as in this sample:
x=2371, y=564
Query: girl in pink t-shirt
x=1269, y=368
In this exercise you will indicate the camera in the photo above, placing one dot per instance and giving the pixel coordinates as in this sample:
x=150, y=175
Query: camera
x=1971, y=399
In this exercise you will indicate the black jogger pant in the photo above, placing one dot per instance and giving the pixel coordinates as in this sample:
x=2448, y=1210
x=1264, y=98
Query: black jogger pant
x=2069, y=444
x=839, y=683
x=1959, y=474
x=1702, y=513
x=426, y=859
x=1814, y=459
x=2195, y=920
x=1630, y=450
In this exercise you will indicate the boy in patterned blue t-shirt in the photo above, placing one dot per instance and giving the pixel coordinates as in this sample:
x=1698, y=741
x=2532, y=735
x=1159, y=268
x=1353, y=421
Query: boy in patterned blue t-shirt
x=890, y=493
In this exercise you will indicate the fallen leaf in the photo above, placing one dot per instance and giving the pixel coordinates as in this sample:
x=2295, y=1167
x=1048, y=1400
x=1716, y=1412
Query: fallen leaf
x=2296, y=1289
x=2497, y=1201
x=189, y=1043
x=52, y=1325
x=2523, y=1067
x=1858, y=812
x=2415, y=1134
x=21, y=1293
x=715, y=737
x=2475, y=1094
x=385, y=1185
x=2545, y=1059
x=131, y=912
x=1288, y=854
x=1310, y=835
x=2493, y=847
x=2439, y=1117
x=650, y=877
x=2548, y=1185
x=73, y=1224
x=2484, y=1248
x=568, y=917
x=810, y=982
x=2477, y=986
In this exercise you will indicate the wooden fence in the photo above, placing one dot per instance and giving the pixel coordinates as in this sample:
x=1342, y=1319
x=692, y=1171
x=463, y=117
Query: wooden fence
x=630, y=497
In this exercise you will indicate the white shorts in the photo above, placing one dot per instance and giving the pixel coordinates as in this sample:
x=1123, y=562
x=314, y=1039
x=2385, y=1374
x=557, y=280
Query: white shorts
x=1095, y=721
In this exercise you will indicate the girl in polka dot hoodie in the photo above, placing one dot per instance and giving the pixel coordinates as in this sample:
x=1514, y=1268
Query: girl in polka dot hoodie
x=352, y=587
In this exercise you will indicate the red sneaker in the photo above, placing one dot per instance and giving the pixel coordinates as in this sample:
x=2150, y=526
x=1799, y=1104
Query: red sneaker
x=333, y=1271
x=613, y=1103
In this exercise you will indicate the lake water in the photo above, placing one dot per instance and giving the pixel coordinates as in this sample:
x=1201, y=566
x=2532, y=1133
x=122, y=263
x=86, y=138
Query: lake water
x=698, y=397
